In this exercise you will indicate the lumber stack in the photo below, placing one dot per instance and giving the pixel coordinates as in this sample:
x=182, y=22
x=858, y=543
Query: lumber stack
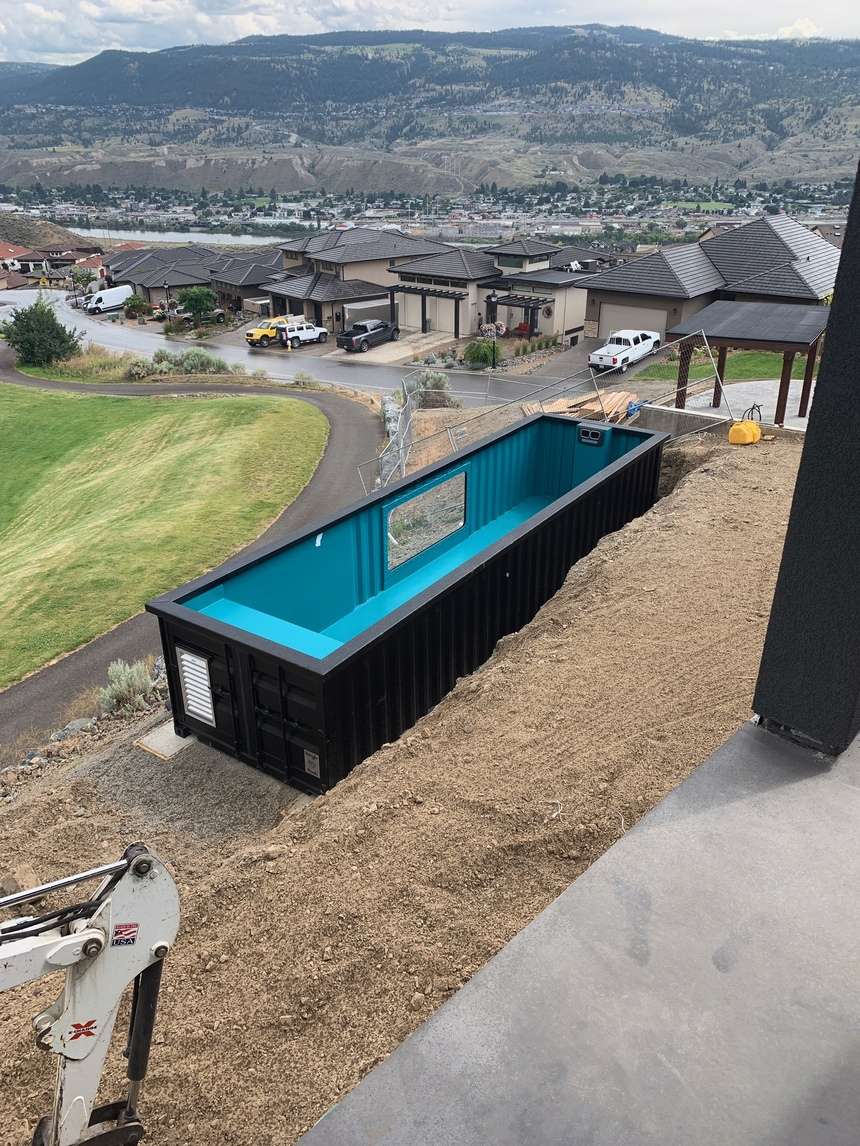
x=611, y=405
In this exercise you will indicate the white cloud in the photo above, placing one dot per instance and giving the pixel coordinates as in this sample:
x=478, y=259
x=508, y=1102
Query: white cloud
x=802, y=29
x=71, y=30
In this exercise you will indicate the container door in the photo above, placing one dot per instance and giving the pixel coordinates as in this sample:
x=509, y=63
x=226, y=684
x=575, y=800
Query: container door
x=287, y=724
x=203, y=690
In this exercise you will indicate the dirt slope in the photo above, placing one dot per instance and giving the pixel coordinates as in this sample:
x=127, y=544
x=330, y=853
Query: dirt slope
x=343, y=926
x=28, y=231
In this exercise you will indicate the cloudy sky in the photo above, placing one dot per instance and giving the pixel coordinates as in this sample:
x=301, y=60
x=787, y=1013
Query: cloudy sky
x=65, y=31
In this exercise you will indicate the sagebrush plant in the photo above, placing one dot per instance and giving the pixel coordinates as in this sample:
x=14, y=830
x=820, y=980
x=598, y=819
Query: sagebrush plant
x=191, y=361
x=129, y=687
x=138, y=368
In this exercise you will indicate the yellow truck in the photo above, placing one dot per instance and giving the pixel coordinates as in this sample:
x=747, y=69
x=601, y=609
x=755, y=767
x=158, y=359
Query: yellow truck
x=266, y=332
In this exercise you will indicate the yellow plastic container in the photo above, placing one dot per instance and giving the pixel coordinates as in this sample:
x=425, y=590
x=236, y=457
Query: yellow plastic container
x=745, y=433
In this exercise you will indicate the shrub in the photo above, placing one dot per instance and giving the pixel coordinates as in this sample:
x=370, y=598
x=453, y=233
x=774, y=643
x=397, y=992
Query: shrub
x=138, y=368
x=37, y=336
x=198, y=301
x=434, y=390
x=174, y=326
x=261, y=375
x=129, y=687
x=136, y=306
x=200, y=362
x=479, y=354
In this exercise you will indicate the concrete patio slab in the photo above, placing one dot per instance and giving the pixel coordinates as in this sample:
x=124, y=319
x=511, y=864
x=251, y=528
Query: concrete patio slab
x=741, y=395
x=163, y=742
x=697, y=985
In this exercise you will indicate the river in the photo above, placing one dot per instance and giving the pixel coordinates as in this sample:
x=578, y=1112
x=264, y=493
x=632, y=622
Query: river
x=217, y=237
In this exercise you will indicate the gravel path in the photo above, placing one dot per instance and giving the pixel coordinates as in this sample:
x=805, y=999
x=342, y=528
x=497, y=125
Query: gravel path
x=39, y=702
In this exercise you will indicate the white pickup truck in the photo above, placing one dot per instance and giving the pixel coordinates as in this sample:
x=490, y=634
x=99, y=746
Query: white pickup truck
x=623, y=347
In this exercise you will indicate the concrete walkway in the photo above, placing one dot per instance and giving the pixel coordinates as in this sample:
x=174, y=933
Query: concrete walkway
x=697, y=986
x=37, y=703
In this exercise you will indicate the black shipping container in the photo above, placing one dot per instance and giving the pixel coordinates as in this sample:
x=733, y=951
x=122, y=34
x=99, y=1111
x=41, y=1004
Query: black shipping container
x=305, y=657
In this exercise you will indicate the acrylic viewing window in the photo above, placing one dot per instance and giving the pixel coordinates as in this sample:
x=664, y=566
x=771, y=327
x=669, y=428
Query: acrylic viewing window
x=426, y=519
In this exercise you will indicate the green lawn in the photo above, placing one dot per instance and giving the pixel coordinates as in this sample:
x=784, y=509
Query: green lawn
x=700, y=204
x=740, y=366
x=105, y=502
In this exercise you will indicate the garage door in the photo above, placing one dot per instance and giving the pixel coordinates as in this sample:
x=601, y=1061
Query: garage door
x=613, y=317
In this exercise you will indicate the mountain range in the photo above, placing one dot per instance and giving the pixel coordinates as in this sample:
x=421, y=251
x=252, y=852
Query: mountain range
x=619, y=91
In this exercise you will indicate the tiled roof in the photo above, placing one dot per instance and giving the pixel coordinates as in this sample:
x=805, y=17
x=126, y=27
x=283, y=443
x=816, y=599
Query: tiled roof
x=681, y=272
x=548, y=277
x=11, y=250
x=574, y=254
x=385, y=246
x=773, y=255
x=524, y=247
x=455, y=263
x=322, y=286
x=780, y=323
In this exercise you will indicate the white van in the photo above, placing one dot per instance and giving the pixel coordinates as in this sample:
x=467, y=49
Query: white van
x=111, y=299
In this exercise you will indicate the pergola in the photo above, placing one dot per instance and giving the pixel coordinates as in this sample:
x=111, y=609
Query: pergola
x=456, y=297
x=530, y=304
x=792, y=328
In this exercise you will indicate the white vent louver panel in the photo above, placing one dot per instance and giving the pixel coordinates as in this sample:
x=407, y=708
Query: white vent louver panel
x=196, y=687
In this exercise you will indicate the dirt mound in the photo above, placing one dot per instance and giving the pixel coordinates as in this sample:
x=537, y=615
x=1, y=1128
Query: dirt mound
x=346, y=924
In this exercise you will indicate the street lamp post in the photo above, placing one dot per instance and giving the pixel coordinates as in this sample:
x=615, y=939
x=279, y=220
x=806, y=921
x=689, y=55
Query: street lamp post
x=492, y=300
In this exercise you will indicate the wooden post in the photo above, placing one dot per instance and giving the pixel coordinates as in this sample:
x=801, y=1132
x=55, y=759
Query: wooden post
x=784, y=383
x=805, y=393
x=423, y=313
x=686, y=353
x=721, y=375
x=456, y=318
x=392, y=313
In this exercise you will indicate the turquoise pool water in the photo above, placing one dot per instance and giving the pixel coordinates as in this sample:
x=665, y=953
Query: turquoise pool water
x=325, y=589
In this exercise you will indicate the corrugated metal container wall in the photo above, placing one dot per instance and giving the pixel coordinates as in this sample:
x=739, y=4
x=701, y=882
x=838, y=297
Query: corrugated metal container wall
x=309, y=719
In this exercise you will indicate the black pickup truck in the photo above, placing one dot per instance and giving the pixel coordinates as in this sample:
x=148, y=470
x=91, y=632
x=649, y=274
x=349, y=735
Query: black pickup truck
x=369, y=333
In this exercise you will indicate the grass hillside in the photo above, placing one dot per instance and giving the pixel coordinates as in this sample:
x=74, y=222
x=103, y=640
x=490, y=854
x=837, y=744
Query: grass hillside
x=105, y=502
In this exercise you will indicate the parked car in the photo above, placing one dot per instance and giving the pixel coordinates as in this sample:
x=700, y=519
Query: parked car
x=369, y=333
x=111, y=299
x=623, y=347
x=268, y=330
x=180, y=314
x=295, y=333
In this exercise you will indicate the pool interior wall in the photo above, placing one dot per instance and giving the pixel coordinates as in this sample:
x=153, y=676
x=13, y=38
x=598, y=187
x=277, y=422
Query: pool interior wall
x=321, y=591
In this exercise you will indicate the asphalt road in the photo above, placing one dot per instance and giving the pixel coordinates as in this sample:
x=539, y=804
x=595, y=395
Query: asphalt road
x=38, y=702
x=351, y=371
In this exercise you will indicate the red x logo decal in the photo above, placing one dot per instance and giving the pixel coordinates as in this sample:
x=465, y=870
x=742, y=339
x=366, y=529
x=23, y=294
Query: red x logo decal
x=83, y=1030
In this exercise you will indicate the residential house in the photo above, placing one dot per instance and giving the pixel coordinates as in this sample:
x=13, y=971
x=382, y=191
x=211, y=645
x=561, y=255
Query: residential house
x=526, y=284
x=157, y=273
x=237, y=278
x=445, y=291
x=9, y=256
x=773, y=258
x=334, y=277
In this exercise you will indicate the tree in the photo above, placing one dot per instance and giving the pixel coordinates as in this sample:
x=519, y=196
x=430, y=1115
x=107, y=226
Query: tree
x=82, y=276
x=37, y=336
x=198, y=301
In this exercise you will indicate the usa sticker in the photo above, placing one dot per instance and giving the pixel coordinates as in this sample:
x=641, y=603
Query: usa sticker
x=124, y=934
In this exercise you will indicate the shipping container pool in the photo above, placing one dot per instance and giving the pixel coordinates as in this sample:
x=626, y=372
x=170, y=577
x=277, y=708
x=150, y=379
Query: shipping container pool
x=307, y=655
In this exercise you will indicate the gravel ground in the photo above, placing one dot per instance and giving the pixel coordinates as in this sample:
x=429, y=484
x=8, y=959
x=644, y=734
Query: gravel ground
x=345, y=924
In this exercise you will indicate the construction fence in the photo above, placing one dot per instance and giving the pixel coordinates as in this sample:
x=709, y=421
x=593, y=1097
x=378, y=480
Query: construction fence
x=597, y=397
